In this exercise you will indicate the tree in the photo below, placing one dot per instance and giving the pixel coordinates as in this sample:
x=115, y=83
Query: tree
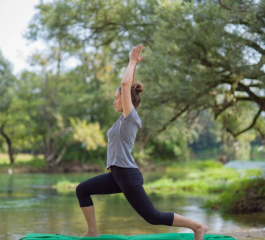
x=7, y=82
x=201, y=55
x=212, y=59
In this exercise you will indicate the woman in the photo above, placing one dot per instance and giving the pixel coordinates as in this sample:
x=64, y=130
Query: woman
x=124, y=175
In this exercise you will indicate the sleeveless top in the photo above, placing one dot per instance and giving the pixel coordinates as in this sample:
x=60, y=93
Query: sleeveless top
x=121, y=137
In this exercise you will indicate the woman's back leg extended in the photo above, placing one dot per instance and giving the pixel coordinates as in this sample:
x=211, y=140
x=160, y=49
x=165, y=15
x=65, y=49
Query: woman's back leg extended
x=131, y=182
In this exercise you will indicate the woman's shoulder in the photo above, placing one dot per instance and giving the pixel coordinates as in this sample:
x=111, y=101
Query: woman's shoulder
x=133, y=117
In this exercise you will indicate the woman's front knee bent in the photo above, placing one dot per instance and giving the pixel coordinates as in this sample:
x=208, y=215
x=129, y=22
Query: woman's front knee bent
x=79, y=190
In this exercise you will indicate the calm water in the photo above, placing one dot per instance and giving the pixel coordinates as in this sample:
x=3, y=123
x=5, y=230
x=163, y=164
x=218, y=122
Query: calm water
x=29, y=204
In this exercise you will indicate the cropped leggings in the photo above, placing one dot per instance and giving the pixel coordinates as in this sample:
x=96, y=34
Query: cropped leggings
x=129, y=181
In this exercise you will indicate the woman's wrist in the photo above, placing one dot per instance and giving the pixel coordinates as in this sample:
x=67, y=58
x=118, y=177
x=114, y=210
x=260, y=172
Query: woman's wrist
x=133, y=62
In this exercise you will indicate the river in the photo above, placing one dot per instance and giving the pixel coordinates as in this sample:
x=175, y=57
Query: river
x=28, y=204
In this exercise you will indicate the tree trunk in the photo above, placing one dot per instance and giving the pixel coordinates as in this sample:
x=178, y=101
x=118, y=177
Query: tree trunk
x=9, y=144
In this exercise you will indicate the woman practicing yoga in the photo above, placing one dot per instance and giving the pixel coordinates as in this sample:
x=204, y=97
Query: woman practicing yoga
x=124, y=175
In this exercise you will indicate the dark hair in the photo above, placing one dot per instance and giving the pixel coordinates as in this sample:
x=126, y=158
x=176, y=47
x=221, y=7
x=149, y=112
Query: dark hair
x=136, y=89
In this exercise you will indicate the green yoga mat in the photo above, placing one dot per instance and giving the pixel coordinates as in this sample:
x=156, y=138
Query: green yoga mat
x=161, y=236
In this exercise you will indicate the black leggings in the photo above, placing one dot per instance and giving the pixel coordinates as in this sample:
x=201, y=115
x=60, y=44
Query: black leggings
x=129, y=181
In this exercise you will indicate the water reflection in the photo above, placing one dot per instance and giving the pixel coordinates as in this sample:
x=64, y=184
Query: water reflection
x=10, y=185
x=28, y=204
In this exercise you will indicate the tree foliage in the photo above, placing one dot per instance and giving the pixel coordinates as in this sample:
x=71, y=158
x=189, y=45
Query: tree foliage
x=7, y=85
x=88, y=133
x=204, y=63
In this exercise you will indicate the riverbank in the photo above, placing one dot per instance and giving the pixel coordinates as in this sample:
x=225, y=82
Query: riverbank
x=27, y=163
x=65, y=168
x=246, y=235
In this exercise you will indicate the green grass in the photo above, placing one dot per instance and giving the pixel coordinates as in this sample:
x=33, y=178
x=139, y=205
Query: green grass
x=22, y=160
x=244, y=195
x=200, y=177
x=204, y=177
x=65, y=186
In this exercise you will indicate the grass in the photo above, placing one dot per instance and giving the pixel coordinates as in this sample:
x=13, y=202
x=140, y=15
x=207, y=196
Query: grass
x=245, y=195
x=200, y=178
x=65, y=186
x=22, y=160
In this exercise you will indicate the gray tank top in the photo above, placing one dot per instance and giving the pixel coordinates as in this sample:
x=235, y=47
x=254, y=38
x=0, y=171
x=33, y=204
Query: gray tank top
x=121, y=137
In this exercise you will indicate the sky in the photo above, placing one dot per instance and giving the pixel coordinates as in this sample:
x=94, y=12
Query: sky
x=14, y=18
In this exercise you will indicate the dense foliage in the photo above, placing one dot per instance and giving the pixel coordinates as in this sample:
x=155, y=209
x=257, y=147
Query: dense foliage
x=203, y=76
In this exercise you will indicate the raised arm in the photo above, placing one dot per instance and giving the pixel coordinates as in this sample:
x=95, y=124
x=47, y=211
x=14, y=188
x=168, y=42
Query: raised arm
x=128, y=80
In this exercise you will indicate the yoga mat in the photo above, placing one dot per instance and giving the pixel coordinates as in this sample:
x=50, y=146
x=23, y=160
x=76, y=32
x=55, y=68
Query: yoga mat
x=160, y=236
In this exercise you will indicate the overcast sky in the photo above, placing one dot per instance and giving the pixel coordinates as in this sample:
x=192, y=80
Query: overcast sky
x=14, y=18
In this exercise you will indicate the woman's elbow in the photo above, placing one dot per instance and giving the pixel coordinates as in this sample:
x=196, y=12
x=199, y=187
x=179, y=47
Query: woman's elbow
x=126, y=84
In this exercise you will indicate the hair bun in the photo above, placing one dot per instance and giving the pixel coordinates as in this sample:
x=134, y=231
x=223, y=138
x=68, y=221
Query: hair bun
x=138, y=87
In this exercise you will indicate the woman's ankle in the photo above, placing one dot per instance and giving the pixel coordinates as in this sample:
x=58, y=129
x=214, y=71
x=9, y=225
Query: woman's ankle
x=199, y=231
x=198, y=227
x=93, y=232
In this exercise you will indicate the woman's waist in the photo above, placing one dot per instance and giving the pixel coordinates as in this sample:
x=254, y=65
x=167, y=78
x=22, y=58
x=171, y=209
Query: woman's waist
x=114, y=168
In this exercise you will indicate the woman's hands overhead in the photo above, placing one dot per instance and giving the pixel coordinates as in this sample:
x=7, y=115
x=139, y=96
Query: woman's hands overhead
x=135, y=54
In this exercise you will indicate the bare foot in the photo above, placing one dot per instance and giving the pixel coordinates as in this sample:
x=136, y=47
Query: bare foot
x=200, y=231
x=91, y=234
